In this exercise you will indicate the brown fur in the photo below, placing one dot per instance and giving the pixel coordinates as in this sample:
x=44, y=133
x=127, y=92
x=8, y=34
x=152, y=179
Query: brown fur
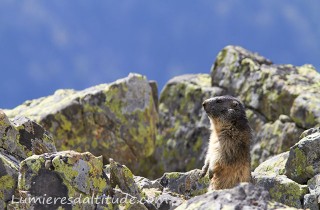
x=228, y=157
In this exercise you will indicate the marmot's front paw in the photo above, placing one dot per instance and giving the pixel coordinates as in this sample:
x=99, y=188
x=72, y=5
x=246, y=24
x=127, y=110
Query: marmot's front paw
x=204, y=170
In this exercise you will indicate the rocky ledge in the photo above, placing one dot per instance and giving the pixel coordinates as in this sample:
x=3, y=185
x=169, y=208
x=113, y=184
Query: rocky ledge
x=105, y=147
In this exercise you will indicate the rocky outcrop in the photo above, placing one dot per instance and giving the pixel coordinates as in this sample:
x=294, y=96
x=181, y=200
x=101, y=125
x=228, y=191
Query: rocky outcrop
x=116, y=120
x=282, y=100
x=125, y=121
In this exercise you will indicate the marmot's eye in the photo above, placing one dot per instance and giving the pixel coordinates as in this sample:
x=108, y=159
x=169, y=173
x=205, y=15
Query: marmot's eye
x=219, y=101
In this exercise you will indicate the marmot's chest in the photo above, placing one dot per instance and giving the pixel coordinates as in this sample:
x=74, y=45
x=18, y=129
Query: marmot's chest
x=223, y=149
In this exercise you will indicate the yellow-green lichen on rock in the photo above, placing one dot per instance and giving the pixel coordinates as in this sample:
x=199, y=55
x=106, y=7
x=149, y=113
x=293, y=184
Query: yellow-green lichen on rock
x=275, y=165
x=274, y=138
x=303, y=158
x=282, y=189
x=8, y=177
x=121, y=176
x=117, y=120
x=243, y=196
x=65, y=174
x=23, y=137
x=188, y=184
x=270, y=89
x=282, y=100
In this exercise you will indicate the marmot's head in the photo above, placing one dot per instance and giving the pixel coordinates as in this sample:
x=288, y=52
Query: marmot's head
x=225, y=110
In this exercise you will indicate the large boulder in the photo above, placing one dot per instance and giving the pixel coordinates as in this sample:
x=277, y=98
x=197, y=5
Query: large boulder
x=116, y=120
x=270, y=89
x=243, y=196
x=281, y=100
x=184, y=127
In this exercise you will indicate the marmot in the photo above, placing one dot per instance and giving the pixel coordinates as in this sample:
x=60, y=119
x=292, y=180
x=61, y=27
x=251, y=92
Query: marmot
x=228, y=156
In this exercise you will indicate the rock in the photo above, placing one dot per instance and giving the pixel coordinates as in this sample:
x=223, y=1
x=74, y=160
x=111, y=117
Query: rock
x=243, y=196
x=274, y=138
x=310, y=201
x=116, y=120
x=121, y=200
x=166, y=201
x=303, y=161
x=314, y=185
x=273, y=166
x=282, y=189
x=270, y=89
x=309, y=132
x=9, y=167
x=23, y=137
x=281, y=100
x=184, y=126
x=188, y=184
x=142, y=190
x=145, y=183
x=122, y=177
x=69, y=175
x=270, y=176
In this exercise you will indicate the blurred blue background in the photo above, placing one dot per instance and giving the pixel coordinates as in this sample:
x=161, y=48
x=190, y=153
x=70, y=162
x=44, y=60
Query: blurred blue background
x=47, y=45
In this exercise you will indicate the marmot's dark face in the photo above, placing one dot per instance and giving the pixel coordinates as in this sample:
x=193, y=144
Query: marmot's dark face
x=224, y=108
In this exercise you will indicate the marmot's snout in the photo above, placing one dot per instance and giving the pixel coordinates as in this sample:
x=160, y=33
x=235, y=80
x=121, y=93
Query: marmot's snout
x=212, y=105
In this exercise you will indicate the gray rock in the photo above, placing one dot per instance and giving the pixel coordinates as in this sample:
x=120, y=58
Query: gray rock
x=122, y=177
x=23, y=137
x=303, y=161
x=145, y=183
x=273, y=166
x=310, y=201
x=270, y=176
x=314, y=185
x=9, y=168
x=244, y=196
x=69, y=175
x=166, y=201
x=282, y=189
x=274, y=138
x=188, y=184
